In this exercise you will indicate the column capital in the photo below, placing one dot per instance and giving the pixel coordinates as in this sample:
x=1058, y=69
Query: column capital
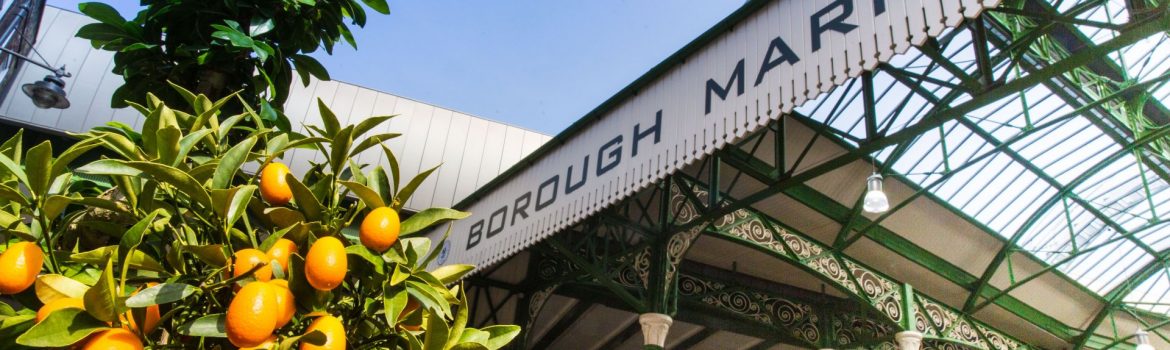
x=654, y=328
x=908, y=340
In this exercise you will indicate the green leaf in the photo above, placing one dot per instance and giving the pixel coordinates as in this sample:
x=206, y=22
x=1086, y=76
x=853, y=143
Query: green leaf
x=378, y=5
x=10, y=167
x=37, y=166
x=138, y=259
x=62, y=328
x=239, y=204
x=429, y=297
x=460, y=323
x=206, y=326
x=306, y=65
x=501, y=335
x=211, y=254
x=181, y=180
x=187, y=94
x=469, y=345
x=56, y=204
x=53, y=286
x=363, y=253
x=366, y=194
x=394, y=300
x=315, y=337
x=168, y=144
x=400, y=275
x=161, y=294
x=133, y=236
x=101, y=301
x=230, y=163
x=102, y=13
x=368, y=124
x=378, y=182
x=260, y=25
x=428, y=217
x=283, y=217
x=107, y=167
x=372, y=141
x=308, y=203
x=187, y=143
x=339, y=153
x=61, y=164
x=475, y=336
x=12, y=194
x=393, y=167
x=232, y=35
x=451, y=273
x=436, y=335
x=332, y=125
x=404, y=195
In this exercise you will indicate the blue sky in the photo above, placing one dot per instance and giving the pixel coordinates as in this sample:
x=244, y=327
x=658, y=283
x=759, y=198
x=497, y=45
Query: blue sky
x=535, y=64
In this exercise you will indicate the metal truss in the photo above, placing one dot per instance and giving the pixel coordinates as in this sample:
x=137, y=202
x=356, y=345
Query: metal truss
x=632, y=250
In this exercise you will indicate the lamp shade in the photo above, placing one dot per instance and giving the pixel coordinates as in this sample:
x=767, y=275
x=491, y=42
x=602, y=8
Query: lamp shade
x=47, y=93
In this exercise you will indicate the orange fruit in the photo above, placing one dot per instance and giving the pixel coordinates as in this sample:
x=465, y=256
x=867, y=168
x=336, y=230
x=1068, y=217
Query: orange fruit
x=326, y=264
x=63, y=303
x=284, y=302
x=150, y=320
x=246, y=259
x=112, y=339
x=273, y=186
x=411, y=305
x=281, y=250
x=380, y=229
x=334, y=334
x=252, y=315
x=266, y=345
x=21, y=263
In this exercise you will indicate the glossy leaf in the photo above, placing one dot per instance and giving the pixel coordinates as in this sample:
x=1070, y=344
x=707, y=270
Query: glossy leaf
x=101, y=301
x=308, y=203
x=366, y=194
x=450, y=273
x=62, y=328
x=417, y=222
x=53, y=286
x=160, y=294
x=394, y=300
x=138, y=259
x=214, y=326
x=230, y=163
x=404, y=194
x=37, y=166
x=501, y=335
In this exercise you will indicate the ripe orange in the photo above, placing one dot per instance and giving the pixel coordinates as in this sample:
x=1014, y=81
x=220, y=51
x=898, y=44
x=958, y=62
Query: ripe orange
x=112, y=339
x=21, y=263
x=246, y=259
x=281, y=250
x=380, y=229
x=273, y=186
x=251, y=317
x=334, y=334
x=284, y=302
x=150, y=320
x=326, y=264
x=63, y=303
x=266, y=345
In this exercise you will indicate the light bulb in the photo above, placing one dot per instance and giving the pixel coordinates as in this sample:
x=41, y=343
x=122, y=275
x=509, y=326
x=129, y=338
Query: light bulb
x=875, y=200
x=1143, y=340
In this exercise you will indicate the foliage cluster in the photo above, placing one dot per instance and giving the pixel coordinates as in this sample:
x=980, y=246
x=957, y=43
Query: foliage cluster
x=159, y=220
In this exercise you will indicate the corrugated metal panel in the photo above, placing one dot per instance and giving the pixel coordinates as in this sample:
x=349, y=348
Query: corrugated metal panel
x=433, y=135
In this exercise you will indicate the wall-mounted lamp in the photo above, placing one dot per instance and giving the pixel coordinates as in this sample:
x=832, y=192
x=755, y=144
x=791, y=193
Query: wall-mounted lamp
x=48, y=92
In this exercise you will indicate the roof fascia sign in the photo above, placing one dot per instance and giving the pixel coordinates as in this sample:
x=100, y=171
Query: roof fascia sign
x=784, y=54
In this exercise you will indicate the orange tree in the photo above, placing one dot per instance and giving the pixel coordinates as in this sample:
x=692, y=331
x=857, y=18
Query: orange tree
x=183, y=248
